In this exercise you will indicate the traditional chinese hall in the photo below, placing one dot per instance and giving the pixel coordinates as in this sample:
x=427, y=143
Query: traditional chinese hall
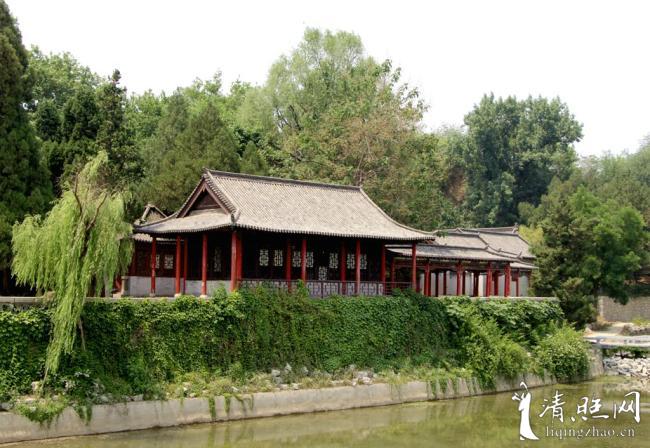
x=238, y=230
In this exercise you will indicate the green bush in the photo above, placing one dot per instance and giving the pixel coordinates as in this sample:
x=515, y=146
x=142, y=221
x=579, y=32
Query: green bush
x=484, y=348
x=564, y=354
x=133, y=347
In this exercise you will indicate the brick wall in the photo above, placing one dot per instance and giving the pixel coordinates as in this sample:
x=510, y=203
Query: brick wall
x=636, y=307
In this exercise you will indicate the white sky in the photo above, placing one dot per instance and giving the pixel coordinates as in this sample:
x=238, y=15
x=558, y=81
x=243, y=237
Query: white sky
x=593, y=55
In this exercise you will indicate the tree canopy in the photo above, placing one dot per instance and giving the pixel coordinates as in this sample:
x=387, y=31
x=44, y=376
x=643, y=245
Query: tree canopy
x=24, y=182
x=75, y=251
x=514, y=149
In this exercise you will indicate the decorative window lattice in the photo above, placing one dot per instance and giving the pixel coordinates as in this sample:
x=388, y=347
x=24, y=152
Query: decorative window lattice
x=363, y=261
x=322, y=273
x=264, y=257
x=278, y=257
x=295, y=259
x=310, y=259
x=334, y=260
x=168, y=262
x=157, y=261
x=350, y=261
x=216, y=260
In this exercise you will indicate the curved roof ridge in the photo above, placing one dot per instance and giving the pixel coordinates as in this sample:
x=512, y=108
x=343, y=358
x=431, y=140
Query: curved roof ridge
x=404, y=226
x=281, y=180
x=230, y=204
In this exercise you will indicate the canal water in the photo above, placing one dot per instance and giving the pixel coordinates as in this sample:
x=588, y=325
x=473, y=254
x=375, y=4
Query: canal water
x=485, y=421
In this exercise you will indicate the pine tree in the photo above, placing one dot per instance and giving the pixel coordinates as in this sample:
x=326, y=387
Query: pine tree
x=24, y=182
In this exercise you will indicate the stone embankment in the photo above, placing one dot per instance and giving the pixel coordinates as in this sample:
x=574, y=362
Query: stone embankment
x=627, y=366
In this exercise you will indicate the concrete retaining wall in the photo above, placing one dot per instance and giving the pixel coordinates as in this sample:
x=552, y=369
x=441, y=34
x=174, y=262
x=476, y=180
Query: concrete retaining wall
x=152, y=414
x=637, y=307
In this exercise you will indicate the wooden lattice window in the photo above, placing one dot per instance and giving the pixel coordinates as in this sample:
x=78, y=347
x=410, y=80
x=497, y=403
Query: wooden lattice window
x=334, y=260
x=363, y=261
x=157, y=261
x=350, y=261
x=322, y=273
x=295, y=259
x=310, y=259
x=169, y=262
x=278, y=257
x=264, y=257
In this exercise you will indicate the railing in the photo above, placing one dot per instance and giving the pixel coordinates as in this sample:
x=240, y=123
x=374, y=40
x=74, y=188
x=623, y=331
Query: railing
x=324, y=288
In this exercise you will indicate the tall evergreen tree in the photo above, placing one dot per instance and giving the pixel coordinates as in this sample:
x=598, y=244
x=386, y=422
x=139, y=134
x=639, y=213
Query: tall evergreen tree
x=24, y=183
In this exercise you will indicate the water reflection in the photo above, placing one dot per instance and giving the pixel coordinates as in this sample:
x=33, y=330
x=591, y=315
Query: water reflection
x=488, y=421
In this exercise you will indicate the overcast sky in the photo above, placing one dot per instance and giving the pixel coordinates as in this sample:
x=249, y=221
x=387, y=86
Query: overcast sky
x=593, y=55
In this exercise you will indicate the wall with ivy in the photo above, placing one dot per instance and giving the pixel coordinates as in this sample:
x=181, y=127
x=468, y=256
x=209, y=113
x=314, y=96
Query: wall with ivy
x=130, y=346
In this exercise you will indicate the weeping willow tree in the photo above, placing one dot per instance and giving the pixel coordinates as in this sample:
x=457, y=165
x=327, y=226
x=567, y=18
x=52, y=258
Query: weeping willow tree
x=77, y=249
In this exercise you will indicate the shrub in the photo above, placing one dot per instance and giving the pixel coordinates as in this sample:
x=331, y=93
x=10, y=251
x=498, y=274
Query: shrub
x=564, y=354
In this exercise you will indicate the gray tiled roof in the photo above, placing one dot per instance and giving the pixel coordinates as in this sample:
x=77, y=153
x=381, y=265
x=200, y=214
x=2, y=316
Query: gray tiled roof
x=289, y=206
x=500, y=244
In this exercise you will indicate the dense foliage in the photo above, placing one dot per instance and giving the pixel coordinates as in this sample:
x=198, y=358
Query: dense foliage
x=563, y=354
x=133, y=347
x=24, y=182
x=589, y=247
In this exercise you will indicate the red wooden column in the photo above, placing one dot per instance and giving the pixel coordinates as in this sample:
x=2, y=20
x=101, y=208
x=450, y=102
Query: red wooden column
x=427, y=278
x=414, y=266
x=488, y=280
x=287, y=266
x=185, y=249
x=444, y=282
x=343, y=266
x=240, y=258
x=475, y=276
x=234, y=262
x=303, y=261
x=382, y=272
x=496, y=282
x=517, y=283
x=178, y=266
x=463, y=289
x=436, y=287
x=152, y=292
x=506, y=281
x=392, y=274
x=204, y=266
x=357, y=267
x=459, y=272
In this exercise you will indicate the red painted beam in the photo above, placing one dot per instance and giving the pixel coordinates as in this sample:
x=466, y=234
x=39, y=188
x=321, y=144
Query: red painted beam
x=152, y=292
x=357, y=267
x=178, y=265
x=303, y=260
